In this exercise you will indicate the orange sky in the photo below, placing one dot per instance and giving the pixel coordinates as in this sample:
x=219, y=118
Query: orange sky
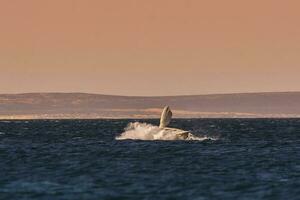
x=142, y=47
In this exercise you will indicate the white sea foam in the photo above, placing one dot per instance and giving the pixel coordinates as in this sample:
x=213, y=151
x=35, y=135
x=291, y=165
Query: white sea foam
x=144, y=131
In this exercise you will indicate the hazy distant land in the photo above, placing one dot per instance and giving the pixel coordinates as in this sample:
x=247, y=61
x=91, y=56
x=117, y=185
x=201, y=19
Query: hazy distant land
x=86, y=106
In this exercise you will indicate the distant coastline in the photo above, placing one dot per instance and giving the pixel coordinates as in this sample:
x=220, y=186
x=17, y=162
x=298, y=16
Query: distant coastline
x=97, y=106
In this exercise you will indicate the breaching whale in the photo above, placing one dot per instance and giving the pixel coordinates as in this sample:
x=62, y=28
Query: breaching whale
x=144, y=131
x=165, y=120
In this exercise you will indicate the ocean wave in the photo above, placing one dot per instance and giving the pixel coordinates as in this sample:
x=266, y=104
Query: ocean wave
x=5, y=121
x=144, y=131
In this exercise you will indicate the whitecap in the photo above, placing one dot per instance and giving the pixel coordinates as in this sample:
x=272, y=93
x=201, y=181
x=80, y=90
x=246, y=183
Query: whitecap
x=5, y=121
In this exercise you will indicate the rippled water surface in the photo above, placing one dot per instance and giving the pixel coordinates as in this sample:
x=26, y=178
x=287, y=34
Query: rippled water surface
x=81, y=159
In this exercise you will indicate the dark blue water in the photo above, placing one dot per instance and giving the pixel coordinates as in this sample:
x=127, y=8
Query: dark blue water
x=80, y=159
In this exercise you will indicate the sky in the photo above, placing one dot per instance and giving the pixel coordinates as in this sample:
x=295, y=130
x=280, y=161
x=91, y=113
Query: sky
x=152, y=48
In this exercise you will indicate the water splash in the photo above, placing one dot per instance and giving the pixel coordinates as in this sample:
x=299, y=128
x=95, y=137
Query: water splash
x=144, y=131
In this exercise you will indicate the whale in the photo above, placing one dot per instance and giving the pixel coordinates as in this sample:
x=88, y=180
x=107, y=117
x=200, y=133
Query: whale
x=165, y=120
x=145, y=131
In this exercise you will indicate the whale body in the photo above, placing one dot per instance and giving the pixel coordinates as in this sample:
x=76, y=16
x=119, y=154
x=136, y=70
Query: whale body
x=144, y=131
x=165, y=120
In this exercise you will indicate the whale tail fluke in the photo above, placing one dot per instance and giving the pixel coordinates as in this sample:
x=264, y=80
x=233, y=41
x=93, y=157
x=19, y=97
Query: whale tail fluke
x=166, y=117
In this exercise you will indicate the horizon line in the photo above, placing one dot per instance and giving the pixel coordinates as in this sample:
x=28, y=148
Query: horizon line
x=148, y=96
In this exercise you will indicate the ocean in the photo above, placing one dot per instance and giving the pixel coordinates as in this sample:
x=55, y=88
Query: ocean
x=84, y=159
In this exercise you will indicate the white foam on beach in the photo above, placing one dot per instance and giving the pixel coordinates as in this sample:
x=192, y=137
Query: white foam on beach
x=144, y=131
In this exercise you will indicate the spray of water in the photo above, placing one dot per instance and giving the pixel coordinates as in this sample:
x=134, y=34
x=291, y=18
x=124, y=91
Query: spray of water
x=144, y=131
